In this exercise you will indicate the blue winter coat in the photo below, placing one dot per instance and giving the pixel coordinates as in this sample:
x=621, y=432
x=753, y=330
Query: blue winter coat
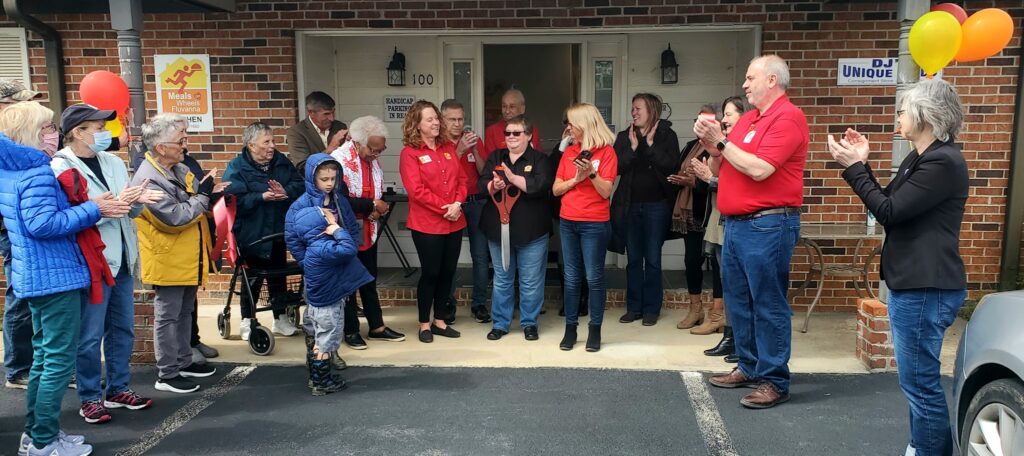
x=41, y=224
x=257, y=218
x=315, y=198
x=330, y=268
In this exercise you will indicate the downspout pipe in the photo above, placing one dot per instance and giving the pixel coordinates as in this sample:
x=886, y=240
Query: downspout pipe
x=1009, y=269
x=54, y=53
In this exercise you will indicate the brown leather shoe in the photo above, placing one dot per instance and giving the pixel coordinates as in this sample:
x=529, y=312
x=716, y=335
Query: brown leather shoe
x=765, y=396
x=734, y=379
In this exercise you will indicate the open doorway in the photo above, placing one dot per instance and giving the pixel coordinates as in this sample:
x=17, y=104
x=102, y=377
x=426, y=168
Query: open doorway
x=547, y=74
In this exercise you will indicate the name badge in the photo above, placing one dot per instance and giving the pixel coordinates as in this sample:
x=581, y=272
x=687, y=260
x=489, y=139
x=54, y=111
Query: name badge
x=447, y=156
x=749, y=137
x=528, y=168
x=424, y=159
x=597, y=165
x=470, y=157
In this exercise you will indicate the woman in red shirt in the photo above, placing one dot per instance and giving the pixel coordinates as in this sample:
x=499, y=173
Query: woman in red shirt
x=434, y=180
x=586, y=174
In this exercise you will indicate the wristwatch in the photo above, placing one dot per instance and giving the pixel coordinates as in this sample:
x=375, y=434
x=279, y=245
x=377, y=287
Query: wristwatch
x=721, y=144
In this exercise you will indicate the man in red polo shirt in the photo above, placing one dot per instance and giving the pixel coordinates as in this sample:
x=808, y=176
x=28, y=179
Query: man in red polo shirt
x=467, y=147
x=761, y=167
x=513, y=104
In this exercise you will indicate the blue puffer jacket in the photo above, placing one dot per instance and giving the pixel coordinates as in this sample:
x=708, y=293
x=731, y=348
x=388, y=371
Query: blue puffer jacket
x=41, y=224
x=315, y=198
x=330, y=267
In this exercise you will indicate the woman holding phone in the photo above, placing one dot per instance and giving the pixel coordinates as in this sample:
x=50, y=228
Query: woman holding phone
x=648, y=153
x=584, y=180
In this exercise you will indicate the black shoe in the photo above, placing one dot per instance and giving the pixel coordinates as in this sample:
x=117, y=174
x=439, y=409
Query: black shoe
x=731, y=358
x=629, y=317
x=594, y=338
x=650, y=319
x=177, y=384
x=481, y=315
x=569, y=339
x=198, y=370
x=355, y=341
x=386, y=335
x=448, y=331
x=496, y=334
x=530, y=332
x=426, y=336
x=726, y=346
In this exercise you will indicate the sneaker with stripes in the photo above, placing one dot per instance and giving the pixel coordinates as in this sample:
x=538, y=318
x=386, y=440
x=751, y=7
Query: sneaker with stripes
x=128, y=399
x=94, y=412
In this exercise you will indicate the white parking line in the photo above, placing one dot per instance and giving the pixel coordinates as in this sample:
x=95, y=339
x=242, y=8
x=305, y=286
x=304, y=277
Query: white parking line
x=189, y=411
x=709, y=421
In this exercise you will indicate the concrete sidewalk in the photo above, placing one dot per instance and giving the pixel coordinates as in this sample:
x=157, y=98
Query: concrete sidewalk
x=828, y=347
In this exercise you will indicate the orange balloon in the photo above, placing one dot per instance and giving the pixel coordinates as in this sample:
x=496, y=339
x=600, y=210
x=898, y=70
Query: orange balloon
x=985, y=34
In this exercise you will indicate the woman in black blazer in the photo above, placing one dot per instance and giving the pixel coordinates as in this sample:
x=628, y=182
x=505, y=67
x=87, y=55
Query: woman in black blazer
x=921, y=209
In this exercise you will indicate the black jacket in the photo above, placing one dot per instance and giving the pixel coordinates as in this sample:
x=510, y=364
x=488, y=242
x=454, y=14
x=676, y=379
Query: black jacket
x=257, y=218
x=921, y=210
x=662, y=157
x=530, y=218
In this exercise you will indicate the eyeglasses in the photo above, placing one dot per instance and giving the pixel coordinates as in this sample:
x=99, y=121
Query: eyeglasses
x=181, y=143
x=514, y=133
x=49, y=128
x=900, y=112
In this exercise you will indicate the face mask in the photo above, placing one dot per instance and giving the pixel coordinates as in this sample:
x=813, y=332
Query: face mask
x=101, y=141
x=50, y=141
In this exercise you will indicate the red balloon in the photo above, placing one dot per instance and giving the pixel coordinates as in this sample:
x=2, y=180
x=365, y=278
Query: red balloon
x=105, y=90
x=954, y=9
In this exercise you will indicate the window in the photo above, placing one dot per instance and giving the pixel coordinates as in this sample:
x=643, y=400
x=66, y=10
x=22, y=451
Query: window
x=14, y=55
x=462, y=86
x=604, y=81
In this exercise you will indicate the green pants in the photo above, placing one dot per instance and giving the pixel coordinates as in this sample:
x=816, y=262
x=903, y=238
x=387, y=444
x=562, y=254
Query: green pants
x=56, y=320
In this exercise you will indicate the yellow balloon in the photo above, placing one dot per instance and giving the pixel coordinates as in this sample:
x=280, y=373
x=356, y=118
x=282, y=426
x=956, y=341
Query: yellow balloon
x=114, y=126
x=934, y=40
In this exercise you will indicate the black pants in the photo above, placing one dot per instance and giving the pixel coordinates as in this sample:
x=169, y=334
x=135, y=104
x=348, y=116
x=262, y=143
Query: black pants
x=694, y=260
x=439, y=256
x=276, y=285
x=368, y=294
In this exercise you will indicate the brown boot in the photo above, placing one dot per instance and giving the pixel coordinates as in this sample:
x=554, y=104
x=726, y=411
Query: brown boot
x=695, y=316
x=715, y=321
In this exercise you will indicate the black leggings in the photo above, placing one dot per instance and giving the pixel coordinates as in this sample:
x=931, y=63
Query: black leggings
x=367, y=294
x=276, y=286
x=694, y=260
x=439, y=256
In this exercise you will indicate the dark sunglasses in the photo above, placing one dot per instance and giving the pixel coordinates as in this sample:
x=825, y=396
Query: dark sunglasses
x=514, y=133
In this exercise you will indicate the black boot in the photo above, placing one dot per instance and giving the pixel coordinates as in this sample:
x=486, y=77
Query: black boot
x=320, y=376
x=726, y=346
x=569, y=340
x=594, y=338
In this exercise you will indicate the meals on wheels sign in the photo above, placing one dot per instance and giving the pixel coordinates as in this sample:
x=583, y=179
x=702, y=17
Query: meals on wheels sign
x=183, y=87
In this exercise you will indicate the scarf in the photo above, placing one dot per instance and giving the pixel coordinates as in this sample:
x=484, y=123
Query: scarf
x=352, y=173
x=76, y=188
x=682, y=212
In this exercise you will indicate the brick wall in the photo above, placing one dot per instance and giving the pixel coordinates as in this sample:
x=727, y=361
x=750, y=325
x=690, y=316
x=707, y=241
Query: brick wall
x=254, y=78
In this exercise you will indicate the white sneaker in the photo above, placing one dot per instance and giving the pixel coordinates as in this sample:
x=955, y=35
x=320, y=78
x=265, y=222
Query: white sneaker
x=26, y=441
x=244, y=329
x=283, y=326
x=60, y=447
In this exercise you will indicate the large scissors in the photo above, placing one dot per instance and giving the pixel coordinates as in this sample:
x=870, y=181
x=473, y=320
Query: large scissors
x=509, y=195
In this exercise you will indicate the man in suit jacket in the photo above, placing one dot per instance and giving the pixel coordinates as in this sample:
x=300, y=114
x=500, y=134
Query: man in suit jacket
x=318, y=132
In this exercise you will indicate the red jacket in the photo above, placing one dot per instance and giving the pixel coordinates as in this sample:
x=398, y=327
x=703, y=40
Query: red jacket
x=432, y=178
x=89, y=240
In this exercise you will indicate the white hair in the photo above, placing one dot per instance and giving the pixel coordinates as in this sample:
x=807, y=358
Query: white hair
x=773, y=64
x=161, y=128
x=935, y=103
x=364, y=127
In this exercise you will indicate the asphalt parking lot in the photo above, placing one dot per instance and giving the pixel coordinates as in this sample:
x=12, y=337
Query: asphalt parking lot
x=267, y=410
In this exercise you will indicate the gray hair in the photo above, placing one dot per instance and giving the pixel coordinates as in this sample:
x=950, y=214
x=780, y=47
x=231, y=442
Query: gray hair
x=364, y=127
x=513, y=92
x=176, y=118
x=773, y=64
x=253, y=130
x=935, y=103
x=161, y=128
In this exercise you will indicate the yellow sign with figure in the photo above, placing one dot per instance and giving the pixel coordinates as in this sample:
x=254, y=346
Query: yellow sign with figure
x=183, y=87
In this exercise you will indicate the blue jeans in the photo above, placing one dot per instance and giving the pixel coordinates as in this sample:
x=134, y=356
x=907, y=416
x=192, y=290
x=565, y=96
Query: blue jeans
x=112, y=324
x=529, y=260
x=755, y=279
x=54, y=345
x=478, y=251
x=645, y=235
x=919, y=319
x=17, y=327
x=583, y=249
